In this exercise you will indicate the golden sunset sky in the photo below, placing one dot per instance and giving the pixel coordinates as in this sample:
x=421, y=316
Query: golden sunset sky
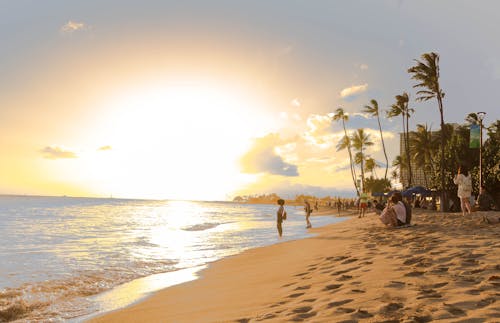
x=205, y=100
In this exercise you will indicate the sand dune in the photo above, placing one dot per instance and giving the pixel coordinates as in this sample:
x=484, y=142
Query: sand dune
x=445, y=268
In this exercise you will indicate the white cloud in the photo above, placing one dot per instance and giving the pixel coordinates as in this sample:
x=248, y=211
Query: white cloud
x=72, y=26
x=353, y=90
x=263, y=158
x=55, y=152
x=319, y=131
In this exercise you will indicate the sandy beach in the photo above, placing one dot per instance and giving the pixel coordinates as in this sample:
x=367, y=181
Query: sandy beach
x=445, y=268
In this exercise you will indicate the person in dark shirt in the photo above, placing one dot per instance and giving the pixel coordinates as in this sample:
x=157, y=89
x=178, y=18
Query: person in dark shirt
x=484, y=200
x=280, y=216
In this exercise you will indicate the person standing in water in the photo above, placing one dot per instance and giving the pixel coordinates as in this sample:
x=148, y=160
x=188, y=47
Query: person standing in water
x=308, y=210
x=280, y=216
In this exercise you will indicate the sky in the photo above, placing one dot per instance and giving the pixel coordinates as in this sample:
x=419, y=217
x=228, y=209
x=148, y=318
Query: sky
x=207, y=100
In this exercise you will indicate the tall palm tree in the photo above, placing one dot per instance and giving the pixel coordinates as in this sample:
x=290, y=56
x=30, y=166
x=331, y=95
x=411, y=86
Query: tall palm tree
x=360, y=140
x=400, y=108
x=426, y=73
x=399, y=164
x=374, y=111
x=424, y=147
x=340, y=115
x=370, y=165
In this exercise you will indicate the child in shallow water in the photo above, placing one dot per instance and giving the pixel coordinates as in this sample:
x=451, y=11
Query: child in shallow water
x=280, y=216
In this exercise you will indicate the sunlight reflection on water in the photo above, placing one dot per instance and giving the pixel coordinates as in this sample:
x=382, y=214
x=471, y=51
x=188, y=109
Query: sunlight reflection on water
x=59, y=253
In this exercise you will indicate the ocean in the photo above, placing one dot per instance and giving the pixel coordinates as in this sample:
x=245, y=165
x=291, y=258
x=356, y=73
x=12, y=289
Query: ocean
x=68, y=259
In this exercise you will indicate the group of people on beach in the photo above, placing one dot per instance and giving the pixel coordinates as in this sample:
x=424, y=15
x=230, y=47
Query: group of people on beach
x=281, y=215
x=397, y=212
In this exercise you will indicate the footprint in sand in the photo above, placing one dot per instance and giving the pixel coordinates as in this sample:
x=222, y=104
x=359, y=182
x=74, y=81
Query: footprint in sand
x=303, y=287
x=303, y=309
x=362, y=314
x=391, y=307
x=414, y=273
x=428, y=293
x=395, y=284
x=358, y=291
x=345, y=310
x=309, y=300
x=485, y=302
x=295, y=295
x=456, y=311
x=420, y=319
x=278, y=304
x=332, y=287
x=303, y=313
x=338, y=258
x=440, y=270
x=439, y=285
x=344, y=277
x=266, y=317
x=348, y=261
x=339, y=272
x=339, y=303
x=474, y=291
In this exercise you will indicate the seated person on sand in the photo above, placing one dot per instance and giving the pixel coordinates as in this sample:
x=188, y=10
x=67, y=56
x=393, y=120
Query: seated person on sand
x=484, y=200
x=379, y=207
x=394, y=214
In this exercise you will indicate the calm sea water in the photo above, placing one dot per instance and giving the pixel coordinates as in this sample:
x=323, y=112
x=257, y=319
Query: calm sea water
x=63, y=259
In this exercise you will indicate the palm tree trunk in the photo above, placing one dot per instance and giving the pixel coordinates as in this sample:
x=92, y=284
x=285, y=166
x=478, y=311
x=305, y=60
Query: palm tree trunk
x=444, y=200
x=408, y=154
x=353, y=171
x=383, y=146
x=362, y=171
x=404, y=143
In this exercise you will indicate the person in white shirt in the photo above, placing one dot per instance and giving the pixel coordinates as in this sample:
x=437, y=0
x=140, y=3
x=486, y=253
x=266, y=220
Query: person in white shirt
x=395, y=212
x=464, y=182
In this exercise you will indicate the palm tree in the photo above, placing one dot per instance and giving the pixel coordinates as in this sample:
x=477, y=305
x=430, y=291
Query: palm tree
x=426, y=73
x=394, y=175
x=370, y=166
x=423, y=148
x=472, y=118
x=400, y=108
x=361, y=140
x=374, y=111
x=399, y=164
x=340, y=115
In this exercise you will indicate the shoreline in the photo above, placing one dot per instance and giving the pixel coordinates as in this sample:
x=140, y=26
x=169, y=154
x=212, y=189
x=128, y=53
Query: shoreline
x=446, y=267
x=140, y=289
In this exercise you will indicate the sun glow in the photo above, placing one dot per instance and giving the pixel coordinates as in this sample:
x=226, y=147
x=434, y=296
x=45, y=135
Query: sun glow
x=173, y=141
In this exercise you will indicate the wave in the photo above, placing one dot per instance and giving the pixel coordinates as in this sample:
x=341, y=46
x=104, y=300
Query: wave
x=54, y=300
x=201, y=227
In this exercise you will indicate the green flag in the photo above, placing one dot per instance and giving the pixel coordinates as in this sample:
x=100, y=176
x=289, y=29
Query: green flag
x=474, y=136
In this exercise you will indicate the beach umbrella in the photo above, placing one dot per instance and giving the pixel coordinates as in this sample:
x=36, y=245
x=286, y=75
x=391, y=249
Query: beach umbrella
x=416, y=190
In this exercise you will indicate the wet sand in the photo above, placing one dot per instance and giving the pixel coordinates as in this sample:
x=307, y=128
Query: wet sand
x=445, y=268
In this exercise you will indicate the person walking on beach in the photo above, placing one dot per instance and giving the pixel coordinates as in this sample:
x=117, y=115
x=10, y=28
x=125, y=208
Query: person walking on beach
x=280, y=216
x=363, y=203
x=308, y=210
x=464, y=182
